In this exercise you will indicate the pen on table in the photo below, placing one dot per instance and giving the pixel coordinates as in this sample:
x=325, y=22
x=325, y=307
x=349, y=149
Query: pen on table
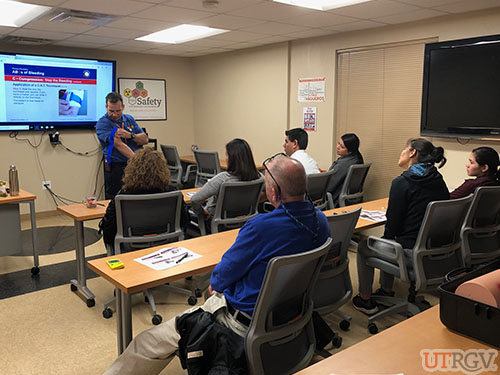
x=184, y=256
x=101, y=204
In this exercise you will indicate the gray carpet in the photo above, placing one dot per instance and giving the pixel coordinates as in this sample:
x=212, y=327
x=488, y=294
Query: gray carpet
x=53, y=240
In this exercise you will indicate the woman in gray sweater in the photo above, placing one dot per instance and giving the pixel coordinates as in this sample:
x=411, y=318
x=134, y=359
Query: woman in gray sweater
x=348, y=150
x=240, y=167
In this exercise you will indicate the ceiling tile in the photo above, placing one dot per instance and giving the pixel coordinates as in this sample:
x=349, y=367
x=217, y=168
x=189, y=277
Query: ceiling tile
x=271, y=11
x=223, y=21
x=319, y=19
x=357, y=25
x=95, y=39
x=147, y=26
x=113, y=7
x=224, y=5
x=311, y=33
x=238, y=36
x=79, y=44
x=172, y=14
x=138, y=44
x=274, y=28
x=209, y=43
x=428, y=3
x=122, y=48
x=50, y=3
x=411, y=16
x=374, y=9
x=467, y=6
x=115, y=33
x=28, y=33
x=274, y=39
x=65, y=27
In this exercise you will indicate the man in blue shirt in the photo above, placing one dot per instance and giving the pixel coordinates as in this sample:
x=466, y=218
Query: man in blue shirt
x=294, y=226
x=120, y=137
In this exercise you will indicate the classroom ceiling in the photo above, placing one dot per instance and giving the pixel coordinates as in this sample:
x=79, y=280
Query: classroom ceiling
x=114, y=24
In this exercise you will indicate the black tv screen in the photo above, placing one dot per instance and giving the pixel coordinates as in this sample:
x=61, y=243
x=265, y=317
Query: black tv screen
x=44, y=92
x=461, y=88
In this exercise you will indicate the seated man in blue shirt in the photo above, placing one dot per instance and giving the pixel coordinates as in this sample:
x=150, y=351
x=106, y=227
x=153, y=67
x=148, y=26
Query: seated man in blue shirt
x=294, y=226
x=120, y=136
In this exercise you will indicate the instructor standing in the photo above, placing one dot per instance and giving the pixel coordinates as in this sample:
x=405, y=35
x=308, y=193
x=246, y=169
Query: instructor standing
x=120, y=137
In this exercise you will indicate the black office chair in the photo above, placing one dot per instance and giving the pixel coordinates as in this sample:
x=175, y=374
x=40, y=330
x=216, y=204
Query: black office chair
x=174, y=164
x=352, y=189
x=147, y=220
x=317, y=185
x=280, y=338
x=437, y=251
x=481, y=231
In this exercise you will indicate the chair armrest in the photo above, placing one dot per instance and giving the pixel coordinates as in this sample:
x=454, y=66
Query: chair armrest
x=190, y=169
x=389, y=250
x=329, y=198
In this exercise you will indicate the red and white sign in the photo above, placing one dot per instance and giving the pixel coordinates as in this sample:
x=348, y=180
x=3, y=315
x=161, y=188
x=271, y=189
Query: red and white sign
x=311, y=90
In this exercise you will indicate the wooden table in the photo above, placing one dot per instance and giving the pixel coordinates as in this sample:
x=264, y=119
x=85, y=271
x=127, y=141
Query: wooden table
x=376, y=205
x=191, y=160
x=187, y=193
x=14, y=226
x=80, y=213
x=396, y=350
x=136, y=277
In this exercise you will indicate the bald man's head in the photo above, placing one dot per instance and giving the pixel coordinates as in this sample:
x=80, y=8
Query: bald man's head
x=291, y=177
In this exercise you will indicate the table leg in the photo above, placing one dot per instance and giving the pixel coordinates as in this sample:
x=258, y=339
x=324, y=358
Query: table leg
x=35, y=270
x=124, y=320
x=81, y=283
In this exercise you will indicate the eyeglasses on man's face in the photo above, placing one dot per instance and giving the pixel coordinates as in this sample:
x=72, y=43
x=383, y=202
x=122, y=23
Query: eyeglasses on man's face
x=267, y=161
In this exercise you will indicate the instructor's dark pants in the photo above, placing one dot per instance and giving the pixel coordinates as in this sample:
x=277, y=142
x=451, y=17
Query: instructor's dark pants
x=113, y=174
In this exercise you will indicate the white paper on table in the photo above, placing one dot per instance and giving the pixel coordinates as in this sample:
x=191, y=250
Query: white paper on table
x=190, y=193
x=167, y=257
x=373, y=215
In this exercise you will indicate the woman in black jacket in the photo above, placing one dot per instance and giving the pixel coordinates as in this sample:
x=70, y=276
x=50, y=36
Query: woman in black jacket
x=146, y=173
x=409, y=196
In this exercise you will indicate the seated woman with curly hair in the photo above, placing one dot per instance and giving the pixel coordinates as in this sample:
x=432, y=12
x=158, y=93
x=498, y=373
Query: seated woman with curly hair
x=146, y=173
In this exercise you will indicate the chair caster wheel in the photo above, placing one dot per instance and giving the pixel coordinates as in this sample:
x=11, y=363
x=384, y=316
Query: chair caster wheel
x=73, y=288
x=372, y=328
x=107, y=313
x=192, y=300
x=90, y=302
x=197, y=292
x=344, y=325
x=35, y=271
x=337, y=341
x=157, y=319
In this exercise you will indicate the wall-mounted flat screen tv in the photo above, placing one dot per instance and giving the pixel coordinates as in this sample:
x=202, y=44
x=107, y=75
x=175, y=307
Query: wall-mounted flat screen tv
x=44, y=92
x=461, y=88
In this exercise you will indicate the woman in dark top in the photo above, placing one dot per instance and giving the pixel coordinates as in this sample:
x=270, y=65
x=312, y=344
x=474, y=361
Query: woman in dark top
x=409, y=196
x=146, y=173
x=348, y=150
x=483, y=164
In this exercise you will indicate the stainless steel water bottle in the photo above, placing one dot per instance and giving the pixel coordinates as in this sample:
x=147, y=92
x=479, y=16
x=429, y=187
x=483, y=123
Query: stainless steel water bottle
x=13, y=181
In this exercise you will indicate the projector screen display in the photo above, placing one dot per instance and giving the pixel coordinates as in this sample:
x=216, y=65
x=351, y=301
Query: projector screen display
x=42, y=92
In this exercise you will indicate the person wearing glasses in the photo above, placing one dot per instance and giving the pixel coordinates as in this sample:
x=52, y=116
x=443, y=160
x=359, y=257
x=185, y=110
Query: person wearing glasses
x=409, y=196
x=293, y=226
x=240, y=167
x=348, y=152
x=296, y=141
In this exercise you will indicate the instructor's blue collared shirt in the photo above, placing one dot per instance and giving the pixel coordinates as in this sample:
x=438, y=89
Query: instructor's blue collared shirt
x=240, y=272
x=103, y=129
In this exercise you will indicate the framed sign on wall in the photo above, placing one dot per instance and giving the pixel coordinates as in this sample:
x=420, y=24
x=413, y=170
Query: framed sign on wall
x=144, y=98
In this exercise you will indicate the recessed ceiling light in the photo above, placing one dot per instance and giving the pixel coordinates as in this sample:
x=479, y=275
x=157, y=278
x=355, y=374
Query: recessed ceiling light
x=16, y=14
x=181, y=34
x=321, y=4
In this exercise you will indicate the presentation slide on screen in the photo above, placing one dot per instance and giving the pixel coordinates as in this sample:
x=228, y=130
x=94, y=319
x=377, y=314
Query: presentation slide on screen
x=53, y=90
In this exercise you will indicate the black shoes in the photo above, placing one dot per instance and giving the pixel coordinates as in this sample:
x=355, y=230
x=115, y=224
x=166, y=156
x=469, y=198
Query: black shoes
x=367, y=306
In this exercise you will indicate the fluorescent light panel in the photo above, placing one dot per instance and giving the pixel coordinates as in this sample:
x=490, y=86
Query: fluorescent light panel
x=16, y=14
x=321, y=4
x=181, y=34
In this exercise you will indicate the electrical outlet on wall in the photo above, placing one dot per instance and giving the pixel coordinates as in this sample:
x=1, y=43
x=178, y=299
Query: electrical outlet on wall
x=46, y=183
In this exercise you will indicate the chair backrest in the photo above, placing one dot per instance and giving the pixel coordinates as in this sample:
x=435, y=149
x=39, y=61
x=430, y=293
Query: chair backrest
x=208, y=165
x=481, y=230
x=146, y=220
x=438, y=247
x=352, y=189
x=280, y=338
x=333, y=287
x=237, y=203
x=173, y=163
x=317, y=185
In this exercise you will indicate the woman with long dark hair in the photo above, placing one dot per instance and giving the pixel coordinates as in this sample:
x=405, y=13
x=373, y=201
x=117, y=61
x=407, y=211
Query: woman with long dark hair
x=240, y=167
x=483, y=165
x=409, y=196
x=348, y=152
